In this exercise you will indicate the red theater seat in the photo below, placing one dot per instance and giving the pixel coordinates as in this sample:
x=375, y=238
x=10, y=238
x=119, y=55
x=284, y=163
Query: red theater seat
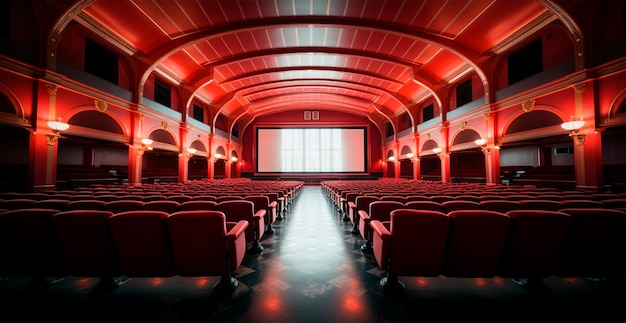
x=162, y=205
x=238, y=210
x=475, y=243
x=195, y=205
x=88, y=246
x=533, y=243
x=378, y=210
x=143, y=243
x=412, y=243
x=204, y=244
x=33, y=246
x=594, y=245
x=262, y=202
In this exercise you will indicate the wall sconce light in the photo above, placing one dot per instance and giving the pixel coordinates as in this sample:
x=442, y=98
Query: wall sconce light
x=409, y=155
x=482, y=143
x=233, y=158
x=574, y=126
x=217, y=155
x=391, y=158
x=191, y=150
x=56, y=126
x=437, y=150
x=145, y=144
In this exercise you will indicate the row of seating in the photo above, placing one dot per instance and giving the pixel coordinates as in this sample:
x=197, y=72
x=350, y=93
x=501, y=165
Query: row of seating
x=44, y=243
x=527, y=245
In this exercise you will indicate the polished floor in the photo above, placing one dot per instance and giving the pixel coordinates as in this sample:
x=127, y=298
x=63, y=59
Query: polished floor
x=311, y=270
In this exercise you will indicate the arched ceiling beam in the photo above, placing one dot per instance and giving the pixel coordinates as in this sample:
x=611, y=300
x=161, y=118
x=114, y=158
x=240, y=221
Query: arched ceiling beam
x=471, y=57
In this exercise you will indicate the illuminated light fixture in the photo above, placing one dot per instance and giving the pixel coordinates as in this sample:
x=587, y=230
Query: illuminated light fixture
x=574, y=126
x=391, y=158
x=409, y=155
x=437, y=150
x=234, y=158
x=56, y=126
x=480, y=142
x=191, y=150
x=145, y=145
x=217, y=155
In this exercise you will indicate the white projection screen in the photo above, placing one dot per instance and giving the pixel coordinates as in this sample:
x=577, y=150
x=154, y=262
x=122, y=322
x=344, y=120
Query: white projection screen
x=311, y=150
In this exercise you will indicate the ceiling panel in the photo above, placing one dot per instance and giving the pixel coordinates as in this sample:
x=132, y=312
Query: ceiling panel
x=364, y=52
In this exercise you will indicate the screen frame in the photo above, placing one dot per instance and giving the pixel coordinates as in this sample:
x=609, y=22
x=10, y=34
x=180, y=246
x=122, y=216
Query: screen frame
x=365, y=149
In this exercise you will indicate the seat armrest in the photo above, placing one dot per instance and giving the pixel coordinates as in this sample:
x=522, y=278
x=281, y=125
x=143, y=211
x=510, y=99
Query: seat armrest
x=380, y=229
x=363, y=215
x=260, y=214
x=352, y=205
x=237, y=229
x=273, y=204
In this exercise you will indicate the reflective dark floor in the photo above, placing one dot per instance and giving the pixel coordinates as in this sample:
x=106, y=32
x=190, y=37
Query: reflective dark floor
x=311, y=270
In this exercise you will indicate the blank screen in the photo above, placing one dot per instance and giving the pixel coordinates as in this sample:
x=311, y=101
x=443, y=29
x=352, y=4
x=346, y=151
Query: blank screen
x=311, y=150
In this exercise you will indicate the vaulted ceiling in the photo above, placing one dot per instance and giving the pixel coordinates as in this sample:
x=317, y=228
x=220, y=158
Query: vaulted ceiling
x=371, y=58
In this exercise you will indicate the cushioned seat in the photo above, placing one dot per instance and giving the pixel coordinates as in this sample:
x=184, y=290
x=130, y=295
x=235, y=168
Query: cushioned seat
x=361, y=203
x=88, y=246
x=378, y=210
x=424, y=205
x=118, y=206
x=453, y=205
x=33, y=246
x=161, y=205
x=262, y=202
x=533, y=243
x=501, y=206
x=195, y=205
x=204, y=244
x=143, y=243
x=238, y=210
x=594, y=245
x=412, y=243
x=475, y=243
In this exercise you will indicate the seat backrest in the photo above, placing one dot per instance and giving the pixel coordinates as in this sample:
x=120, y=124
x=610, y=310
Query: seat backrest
x=261, y=202
x=204, y=197
x=424, y=205
x=223, y=198
x=533, y=243
x=586, y=203
x=501, y=206
x=17, y=203
x=381, y=210
x=539, y=204
x=118, y=206
x=396, y=198
x=162, y=205
x=195, y=205
x=88, y=243
x=85, y=205
x=594, y=245
x=617, y=203
x=56, y=204
x=238, y=210
x=441, y=198
x=143, y=243
x=33, y=245
x=418, y=242
x=199, y=243
x=454, y=205
x=475, y=243
x=363, y=202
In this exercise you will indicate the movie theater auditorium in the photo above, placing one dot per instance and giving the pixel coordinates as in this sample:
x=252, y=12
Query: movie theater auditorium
x=463, y=139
